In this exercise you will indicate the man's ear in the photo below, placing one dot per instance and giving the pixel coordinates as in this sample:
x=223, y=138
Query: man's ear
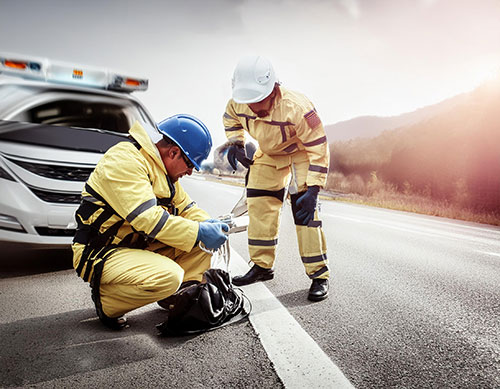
x=166, y=150
x=174, y=152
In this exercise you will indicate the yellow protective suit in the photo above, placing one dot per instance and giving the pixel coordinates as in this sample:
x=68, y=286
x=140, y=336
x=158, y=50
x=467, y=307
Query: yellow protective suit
x=292, y=133
x=137, y=227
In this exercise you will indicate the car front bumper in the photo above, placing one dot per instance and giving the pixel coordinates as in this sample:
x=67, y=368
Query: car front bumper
x=24, y=218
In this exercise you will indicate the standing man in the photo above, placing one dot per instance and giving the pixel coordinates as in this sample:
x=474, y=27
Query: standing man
x=138, y=230
x=291, y=141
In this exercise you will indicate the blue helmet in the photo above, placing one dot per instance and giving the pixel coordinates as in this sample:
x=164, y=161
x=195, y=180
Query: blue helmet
x=190, y=134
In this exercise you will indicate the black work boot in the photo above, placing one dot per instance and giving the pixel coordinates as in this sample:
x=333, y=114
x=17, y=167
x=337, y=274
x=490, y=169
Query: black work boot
x=256, y=273
x=318, y=290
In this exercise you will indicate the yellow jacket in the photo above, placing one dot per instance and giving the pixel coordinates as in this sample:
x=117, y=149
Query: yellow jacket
x=134, y=182
x=292, y=127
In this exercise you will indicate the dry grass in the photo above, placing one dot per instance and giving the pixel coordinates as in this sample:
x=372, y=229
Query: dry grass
x=379, y=194
x=424, y=206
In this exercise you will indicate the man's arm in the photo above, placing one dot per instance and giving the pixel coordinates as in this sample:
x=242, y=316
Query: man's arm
x=122, y=179
x=232, y=125
x=312, y=135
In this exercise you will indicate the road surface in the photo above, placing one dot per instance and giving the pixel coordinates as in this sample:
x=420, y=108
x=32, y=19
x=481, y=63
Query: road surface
x=414, y=302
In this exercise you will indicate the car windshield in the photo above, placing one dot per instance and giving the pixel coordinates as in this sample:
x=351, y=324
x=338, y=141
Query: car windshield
x=105, y=115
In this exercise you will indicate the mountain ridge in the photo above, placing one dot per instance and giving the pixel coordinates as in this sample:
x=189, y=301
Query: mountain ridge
x=369, y=126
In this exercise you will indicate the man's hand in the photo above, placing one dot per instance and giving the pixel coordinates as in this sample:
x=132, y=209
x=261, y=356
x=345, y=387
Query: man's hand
x=212, y=234
x=307, y=204
x=236, y=153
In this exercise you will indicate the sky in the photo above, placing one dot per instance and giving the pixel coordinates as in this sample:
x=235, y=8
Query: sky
x=349, y=57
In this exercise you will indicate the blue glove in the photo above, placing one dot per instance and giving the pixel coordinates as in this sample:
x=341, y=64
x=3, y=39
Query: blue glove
x=237, y=152
x=212, y=235
x=307, y=204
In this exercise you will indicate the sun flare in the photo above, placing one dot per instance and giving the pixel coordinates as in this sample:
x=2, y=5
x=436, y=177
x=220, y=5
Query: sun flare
x=484, y=73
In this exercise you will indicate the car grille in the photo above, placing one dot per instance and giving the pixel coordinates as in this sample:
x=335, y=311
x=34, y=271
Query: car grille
x=56, y=172
x=53, y=197
x=46, y=231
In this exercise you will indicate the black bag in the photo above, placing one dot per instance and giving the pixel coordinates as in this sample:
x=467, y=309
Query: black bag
x=205, y=306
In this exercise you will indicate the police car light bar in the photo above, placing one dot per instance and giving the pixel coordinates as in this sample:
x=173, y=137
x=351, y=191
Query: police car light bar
x=65, y=73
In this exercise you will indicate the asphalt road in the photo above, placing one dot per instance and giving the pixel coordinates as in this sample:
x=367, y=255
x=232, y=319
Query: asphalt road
x=415, y=302
x=51, y=338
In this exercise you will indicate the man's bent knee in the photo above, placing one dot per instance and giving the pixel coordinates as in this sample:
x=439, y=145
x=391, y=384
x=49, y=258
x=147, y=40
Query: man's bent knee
x=168, y=283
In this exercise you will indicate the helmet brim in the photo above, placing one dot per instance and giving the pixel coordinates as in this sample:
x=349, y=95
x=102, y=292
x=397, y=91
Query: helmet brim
x=195, y=164
x=248, y=96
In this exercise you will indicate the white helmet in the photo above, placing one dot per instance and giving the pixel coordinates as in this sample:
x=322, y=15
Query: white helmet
x=253, y=79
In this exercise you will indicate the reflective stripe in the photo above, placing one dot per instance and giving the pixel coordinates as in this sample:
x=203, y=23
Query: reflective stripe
x=279, y=194
x=235, y=128
x=291, y=148
x=242, y=115
x=316, y=258
x=321, y=271
x=258, y=242
x=227, y=116
x=316, y=142
x=282, y=126
x=315, y=223
x=159, y=225
x=276, y=123
x=190, y=205
x=316, y=168
x=140, y=209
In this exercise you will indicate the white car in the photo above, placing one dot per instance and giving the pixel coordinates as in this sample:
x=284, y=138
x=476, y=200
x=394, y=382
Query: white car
x=56, y=121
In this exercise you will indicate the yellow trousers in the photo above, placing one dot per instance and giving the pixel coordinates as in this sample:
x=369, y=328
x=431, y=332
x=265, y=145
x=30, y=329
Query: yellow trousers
x=265, y=194
x=132, y=278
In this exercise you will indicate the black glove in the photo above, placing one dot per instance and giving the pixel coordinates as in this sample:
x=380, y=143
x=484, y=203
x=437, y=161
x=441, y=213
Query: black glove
x=237, y=152
x=307, y=204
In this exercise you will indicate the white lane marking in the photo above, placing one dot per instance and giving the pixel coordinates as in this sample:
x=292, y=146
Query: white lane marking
x=432, y=232
x=298, y=360
x=489, y=253
x=426, y=218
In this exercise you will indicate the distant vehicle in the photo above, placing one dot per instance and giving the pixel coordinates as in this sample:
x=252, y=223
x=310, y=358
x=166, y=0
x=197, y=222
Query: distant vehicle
x=56, y=121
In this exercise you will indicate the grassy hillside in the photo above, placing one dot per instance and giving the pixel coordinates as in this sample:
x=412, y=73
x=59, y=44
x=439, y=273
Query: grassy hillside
x=451, y=159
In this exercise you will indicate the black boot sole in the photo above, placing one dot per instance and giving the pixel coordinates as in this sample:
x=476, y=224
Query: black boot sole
x=265, y=277
x=315, y=298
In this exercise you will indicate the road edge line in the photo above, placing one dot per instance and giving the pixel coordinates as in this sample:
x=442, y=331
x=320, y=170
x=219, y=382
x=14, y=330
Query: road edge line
x=297, y=358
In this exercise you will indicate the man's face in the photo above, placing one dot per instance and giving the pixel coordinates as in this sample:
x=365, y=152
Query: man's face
x=181, y=167
x=176, y=163
x=262, y=108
